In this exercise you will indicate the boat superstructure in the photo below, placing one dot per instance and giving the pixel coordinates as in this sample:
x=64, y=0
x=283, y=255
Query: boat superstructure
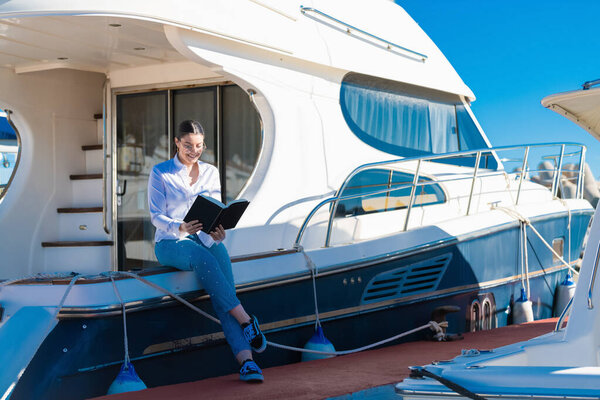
x=373, y=190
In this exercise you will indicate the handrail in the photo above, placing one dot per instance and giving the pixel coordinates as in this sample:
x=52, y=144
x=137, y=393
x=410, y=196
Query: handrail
x=350, y=28
x=413, y=190
x=589, y=84
x=477, y=159
x=557, y=172
x=5, y=188
x=581, y=174
x=434, y=157
x=106, y=156
x=593, y=280
x=523, y=173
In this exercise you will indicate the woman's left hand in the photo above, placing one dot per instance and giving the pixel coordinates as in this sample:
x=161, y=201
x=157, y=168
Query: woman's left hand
x=218, y=234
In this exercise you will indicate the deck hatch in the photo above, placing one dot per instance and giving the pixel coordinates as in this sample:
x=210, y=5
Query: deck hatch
x=407, y=280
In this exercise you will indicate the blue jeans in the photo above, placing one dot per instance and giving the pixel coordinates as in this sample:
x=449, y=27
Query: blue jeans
x=212, y=266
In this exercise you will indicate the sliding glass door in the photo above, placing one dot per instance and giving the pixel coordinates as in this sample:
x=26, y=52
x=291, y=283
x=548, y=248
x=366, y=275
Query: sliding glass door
x=146, y=124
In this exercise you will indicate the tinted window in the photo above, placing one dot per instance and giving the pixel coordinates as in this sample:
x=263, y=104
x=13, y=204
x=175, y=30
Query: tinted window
x=386, y=190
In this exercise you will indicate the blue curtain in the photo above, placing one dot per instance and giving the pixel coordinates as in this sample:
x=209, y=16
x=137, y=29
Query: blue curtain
x=407, y=125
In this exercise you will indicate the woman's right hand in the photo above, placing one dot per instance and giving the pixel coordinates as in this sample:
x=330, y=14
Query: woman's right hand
x=190, y=227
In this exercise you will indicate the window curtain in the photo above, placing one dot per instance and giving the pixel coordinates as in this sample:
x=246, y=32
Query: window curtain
x=401, y=121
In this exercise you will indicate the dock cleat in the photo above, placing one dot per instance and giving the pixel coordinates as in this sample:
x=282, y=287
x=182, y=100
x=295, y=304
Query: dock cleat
x=250, y=372
x=254, y=336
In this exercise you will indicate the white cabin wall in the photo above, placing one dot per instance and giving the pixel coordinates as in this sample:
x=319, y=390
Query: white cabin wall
x=308, y=148
x=54, y=112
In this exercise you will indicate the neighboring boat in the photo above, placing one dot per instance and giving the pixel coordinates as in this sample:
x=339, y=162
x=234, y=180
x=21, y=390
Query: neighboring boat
x=561, y=364
x=345, y=127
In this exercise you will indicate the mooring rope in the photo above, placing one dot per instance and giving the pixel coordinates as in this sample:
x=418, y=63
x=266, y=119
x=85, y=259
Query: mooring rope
x=437, y=327
x=313, y=274
x=515, y=214
x=125, y=341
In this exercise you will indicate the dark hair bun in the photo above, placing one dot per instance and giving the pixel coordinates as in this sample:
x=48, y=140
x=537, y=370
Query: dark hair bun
x=190, y=127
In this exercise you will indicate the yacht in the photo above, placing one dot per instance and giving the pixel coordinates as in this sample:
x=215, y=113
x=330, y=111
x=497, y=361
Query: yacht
x=561, y=364
x=376, y=199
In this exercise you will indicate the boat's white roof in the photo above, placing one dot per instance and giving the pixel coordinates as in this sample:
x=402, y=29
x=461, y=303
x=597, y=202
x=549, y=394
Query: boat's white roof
x=580, y=106
x=40, y=35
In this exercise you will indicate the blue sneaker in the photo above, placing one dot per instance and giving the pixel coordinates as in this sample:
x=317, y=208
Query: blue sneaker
x=254, y=336
x=250, y=372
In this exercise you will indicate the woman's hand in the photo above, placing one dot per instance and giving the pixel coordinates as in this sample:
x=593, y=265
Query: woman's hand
x=190, y=227
x=218, y=234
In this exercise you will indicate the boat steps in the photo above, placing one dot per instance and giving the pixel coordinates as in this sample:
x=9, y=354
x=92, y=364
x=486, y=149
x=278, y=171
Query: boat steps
x=77, y=177
x=90, y=147
x=79, y=210
x=79, y=242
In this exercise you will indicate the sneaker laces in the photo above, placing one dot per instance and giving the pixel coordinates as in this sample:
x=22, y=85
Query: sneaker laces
x=250, y=366
x=250, y=331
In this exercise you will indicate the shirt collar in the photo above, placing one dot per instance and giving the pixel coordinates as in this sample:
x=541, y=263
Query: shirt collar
x=178, y=164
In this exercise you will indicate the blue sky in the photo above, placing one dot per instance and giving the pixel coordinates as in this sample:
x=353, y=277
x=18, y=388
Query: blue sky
x=514, y=53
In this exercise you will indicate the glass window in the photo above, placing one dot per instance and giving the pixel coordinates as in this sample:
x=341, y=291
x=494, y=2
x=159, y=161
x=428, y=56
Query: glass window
x=391, y=191
x=9, y=149
x=199, y=104
x=406, y=120
x=241, y=139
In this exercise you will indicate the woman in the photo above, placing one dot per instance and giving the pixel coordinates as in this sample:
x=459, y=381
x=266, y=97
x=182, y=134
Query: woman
x=172, y=189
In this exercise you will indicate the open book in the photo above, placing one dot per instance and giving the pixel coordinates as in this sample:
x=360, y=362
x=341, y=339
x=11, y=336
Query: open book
x=212, y=213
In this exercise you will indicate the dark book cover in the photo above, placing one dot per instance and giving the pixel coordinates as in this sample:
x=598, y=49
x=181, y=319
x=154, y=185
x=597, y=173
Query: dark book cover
x=212, y=213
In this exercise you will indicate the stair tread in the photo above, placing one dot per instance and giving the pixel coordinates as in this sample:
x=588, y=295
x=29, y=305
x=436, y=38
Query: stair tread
x=78, y=243
x=85, y=176
x=91, y=147
x=76, y=210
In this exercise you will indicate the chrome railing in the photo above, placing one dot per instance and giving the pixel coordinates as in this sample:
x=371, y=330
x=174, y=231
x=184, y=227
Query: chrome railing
x=479, y=155
x=349, y=29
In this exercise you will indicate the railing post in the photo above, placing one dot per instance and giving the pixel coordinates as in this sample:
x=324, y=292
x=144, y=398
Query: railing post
x=330, y=223
x=477, y=159
x=413, y=190
x=523, y=173
x=581, y=175
x=556, y=180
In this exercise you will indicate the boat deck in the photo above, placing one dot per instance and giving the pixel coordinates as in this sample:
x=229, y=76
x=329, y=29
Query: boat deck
x=342, y=375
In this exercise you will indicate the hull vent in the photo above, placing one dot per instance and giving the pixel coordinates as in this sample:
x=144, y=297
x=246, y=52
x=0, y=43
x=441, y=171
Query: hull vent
x=407, y=280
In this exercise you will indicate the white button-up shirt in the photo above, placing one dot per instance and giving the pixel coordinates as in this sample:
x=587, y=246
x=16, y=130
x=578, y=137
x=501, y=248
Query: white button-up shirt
x=170, y=196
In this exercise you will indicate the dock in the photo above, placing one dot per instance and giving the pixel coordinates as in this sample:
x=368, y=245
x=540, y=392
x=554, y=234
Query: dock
x=342, y=375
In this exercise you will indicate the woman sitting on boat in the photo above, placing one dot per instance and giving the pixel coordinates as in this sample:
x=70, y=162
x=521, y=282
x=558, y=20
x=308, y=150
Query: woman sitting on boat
x=172, y=188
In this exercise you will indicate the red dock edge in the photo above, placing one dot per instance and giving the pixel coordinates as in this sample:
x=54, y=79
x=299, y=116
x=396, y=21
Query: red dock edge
x=341, y=375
